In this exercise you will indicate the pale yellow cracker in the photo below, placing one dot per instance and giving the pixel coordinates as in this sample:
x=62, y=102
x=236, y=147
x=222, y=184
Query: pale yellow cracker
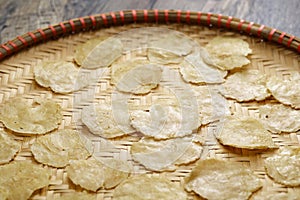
x=40, y=117
x=267, y=194
x=8, y=147
x=245, y=132
x=245, y=85
x=222, y=180
x=100, y=120
x=140, y=80
x=148, y=187
x=165, y=155
x=284, y=166
x=98, y=52
x=19, y=180
x=93, y=174
x=163, y=122
x=58, y=148
x=286, y=91
x=279, y=118
x=194, y=70
x=170, y=48
x=227, y=53
x=60, y=76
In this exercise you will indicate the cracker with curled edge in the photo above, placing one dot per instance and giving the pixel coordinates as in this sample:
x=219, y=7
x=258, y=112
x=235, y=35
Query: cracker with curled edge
x=165, y=155
x=39, y=117
x=60, y=76
x=245, y=132
x=163, y=122
x=194, y=70
x=141, y=79
x=227, y=53
x=284, y=166
x=148, y=187
x=286, y=91
x=93, y=174
x=101, y=120
x=19, y=180
x=8, y=147
x=246, y=85
x=98, y=52
x=170, y=48
x=218, y=179
x=58, y=148
x=279, y=118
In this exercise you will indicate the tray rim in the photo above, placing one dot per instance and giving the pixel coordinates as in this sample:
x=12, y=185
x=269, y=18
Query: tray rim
x=123, y=17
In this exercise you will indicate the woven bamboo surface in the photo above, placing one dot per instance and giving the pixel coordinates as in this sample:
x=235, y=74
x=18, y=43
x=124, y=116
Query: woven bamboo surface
x=17, y=80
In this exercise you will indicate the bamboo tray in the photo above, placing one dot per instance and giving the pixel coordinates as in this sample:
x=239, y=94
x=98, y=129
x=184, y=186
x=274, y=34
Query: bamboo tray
x=274, y=53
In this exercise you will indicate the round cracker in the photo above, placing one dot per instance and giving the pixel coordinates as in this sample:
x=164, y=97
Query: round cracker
x=99, y=118
x=222, y=180
x=286, y=91
x=246, y=85
x=58, y=148
x=8, y=147
x=98, y=52
x=60, y=76
x=145, y=187
x=93, y=174
x=284, y=166
x=279, y=118
x=20, y=179
x=194, y=70
x=39, y=117
x=165, y=155
x=245, y=132
x=140, y=80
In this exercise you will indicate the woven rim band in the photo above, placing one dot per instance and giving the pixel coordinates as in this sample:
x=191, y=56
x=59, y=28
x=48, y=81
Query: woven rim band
x=147, y=16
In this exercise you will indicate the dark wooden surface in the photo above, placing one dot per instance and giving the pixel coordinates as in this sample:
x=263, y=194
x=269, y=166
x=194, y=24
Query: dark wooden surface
x=21, y=16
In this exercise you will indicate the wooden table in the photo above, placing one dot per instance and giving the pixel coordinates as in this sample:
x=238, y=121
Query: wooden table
x=21, y=16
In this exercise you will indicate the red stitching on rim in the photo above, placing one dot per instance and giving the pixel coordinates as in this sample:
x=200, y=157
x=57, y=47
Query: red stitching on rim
x=22, y=40
x=178, y=16
x=240, y=24
x=219, y=20
x=93, y=20
x=281, y=37
x=290, y=41
x=42, y=34
x=228, y=23
x=156, y=15
x=208, y=18
x=299, y=48
x=1, y=55
x=122, y=16
x=133, y=15
x=188, y=16
x=53, y=30
x=63, y=27
x=248, y=30
x=113, y=16
x=271, y=34
x=13, y=45
x=104, y=19
x=199, y=17
x=146, y=15
x=166, y=16
x=260, y=30
x=82, y=22
x=32, y=36
x=6, y=48
x=72, y=25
